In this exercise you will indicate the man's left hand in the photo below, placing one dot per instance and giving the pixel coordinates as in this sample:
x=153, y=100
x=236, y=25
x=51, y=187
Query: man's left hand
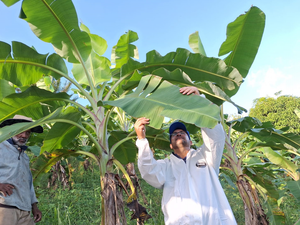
x=37, y=214
x=189, y=90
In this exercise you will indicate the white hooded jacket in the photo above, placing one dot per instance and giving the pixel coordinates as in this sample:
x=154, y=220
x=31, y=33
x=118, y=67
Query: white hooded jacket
x=192, y=193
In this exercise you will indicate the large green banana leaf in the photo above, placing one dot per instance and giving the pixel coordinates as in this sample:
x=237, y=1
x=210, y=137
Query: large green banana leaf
x=62, y=133
x=33, y=102
x=166, y=101
x=213, y=93
x=294, y=187
x=198, y=67
x=178, y=77
x=59, y=115
x=98, y=67
x=56, y=22
x=27, y=66
x=99, y=44
x=260, y=178
x=196, y=44
x=243, y=39
x=126, y=152
x=6, y=89
x=124, y=50
x=265, y=131
x=282, y=162
x=276, y=136
x=121, y=53
x=244, y=124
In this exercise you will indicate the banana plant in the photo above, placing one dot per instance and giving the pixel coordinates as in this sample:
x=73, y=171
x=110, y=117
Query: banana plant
x=150, y=89
x=255, y=157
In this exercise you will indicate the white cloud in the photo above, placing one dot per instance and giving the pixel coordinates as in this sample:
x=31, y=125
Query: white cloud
x=267, y=82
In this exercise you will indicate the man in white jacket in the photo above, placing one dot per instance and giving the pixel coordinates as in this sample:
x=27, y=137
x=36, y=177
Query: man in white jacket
x=192, y=193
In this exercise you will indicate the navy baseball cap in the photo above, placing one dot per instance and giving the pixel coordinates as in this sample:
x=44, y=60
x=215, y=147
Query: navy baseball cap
x=178, y=125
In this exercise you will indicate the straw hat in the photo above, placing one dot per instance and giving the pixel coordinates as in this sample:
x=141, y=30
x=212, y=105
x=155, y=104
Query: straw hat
x=21, y=119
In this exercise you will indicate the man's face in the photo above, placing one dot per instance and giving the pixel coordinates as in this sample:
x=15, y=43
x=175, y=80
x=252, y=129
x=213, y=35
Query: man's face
x=22, y=138
x=179, y=139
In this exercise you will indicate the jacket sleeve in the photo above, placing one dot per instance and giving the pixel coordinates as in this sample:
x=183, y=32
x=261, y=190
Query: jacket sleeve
x=214, y=140
x=152, y=171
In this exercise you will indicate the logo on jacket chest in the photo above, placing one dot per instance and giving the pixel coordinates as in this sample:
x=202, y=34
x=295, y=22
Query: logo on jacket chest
x=200, y=163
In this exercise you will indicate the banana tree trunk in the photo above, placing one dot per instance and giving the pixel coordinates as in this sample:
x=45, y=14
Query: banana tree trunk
x=254, y=213
x=113, y=202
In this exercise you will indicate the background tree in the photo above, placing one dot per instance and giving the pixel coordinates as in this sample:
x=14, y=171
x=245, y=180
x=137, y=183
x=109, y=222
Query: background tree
x=279, y=111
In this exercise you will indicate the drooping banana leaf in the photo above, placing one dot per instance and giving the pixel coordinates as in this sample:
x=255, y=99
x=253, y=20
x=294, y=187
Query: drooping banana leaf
x=275, y=136
x=178, y=77
x=213, y=92
x=61, y=133
x=244, y=124
x=33, y=102
x=265, y=184
x=265, y=131
x=58, y=115
x=198, y=67
x=155, y=100
x=282, y=162
x=56, y=22
x=243, y=39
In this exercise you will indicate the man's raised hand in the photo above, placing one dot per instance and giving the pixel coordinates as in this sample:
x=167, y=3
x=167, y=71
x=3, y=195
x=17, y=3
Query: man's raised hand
x=140, y=128
x=189, y=90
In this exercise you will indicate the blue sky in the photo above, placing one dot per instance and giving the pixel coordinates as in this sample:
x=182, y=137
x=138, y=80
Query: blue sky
x=165, y=25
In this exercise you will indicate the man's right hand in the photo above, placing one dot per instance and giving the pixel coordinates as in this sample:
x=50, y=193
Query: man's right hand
x=6, y=189
x=140, y=128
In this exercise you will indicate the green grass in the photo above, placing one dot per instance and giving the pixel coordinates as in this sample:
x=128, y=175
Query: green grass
x=81, y=204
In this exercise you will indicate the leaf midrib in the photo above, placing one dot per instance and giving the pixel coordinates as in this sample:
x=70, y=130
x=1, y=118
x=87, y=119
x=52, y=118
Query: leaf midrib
x=65, y=30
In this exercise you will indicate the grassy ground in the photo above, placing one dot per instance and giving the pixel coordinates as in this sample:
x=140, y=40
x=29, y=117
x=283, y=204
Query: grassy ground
x=81, y=204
